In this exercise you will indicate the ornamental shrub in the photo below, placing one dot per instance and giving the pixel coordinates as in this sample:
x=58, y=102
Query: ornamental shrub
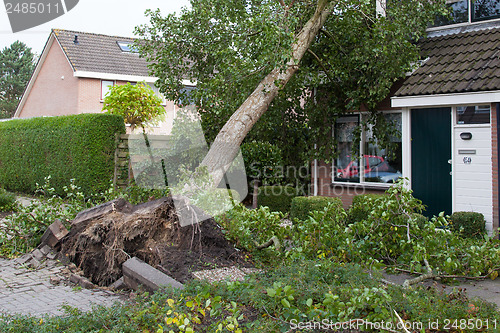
x=468, y=224
x=277, y=198
x=301, y=207
x=80, y=147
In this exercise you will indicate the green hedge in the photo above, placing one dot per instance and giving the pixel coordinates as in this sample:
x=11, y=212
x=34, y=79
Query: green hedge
x=277, y=198
x=468, y=224
x=301, y=206
x=79, y=146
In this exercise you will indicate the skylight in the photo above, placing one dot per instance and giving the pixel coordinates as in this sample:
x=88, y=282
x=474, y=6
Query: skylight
x=126, y=47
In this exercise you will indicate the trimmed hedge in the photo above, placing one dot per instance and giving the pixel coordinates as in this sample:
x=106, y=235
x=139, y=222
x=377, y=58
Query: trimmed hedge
x=473, y=224
x=302, y=206
x=81, y=147
x=277, y=198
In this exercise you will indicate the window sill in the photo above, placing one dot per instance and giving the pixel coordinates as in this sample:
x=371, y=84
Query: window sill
x=366, y=186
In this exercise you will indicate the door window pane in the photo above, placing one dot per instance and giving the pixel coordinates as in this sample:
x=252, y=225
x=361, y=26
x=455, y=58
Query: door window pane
x=384, y=164
x=346, y=168
x=473, y=114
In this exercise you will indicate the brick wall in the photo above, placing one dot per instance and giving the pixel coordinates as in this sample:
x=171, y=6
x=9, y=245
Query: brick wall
x=54, y=93
x=345, y=192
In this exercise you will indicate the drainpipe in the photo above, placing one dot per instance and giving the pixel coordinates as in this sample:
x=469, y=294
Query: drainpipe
x=498, y=164
x=315, y=191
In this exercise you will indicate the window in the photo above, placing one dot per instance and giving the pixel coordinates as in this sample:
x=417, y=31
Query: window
x=158, y=93
x=468, y=11
x=105, y=87
x=469, y=115
x=127, y=47
x=373, y=163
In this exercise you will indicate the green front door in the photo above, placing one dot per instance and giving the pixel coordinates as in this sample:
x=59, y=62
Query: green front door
x=430, y=155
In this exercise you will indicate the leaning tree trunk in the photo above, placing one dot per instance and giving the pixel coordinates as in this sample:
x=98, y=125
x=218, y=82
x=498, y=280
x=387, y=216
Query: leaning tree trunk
x=225, y=147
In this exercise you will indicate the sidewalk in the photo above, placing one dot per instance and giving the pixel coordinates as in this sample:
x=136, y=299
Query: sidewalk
x=44, y=291
x=488, y=290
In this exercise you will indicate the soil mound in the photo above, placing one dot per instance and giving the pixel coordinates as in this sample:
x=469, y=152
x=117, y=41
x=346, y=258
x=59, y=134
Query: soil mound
x=115, y=232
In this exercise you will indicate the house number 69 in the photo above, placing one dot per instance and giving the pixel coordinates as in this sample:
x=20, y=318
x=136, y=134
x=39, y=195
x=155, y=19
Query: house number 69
x=467, y=160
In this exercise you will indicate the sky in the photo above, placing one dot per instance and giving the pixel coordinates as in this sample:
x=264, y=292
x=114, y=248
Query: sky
x=109, y=17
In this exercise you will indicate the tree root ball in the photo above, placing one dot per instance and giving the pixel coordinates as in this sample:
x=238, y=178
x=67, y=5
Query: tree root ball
x=151, y=232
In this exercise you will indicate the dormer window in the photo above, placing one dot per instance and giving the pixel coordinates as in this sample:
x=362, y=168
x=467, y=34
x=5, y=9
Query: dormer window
x=127, y=47
x=469, y=11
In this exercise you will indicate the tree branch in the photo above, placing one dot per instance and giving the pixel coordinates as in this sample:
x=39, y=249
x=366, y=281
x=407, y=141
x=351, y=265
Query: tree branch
x=320, y=63
x=428, y=275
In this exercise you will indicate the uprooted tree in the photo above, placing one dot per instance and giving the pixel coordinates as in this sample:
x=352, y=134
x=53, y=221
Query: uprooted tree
x=314, y=57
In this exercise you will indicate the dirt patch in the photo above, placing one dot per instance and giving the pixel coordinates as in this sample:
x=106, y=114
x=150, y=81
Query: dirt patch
x=151, y=232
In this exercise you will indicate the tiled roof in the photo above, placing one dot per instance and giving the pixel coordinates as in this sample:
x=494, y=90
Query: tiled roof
x=458, y=63
x=100, y=53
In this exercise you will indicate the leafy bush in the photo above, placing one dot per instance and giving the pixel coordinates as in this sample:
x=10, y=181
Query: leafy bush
x=358, y=210
x=79, y=147
x=277, y=198
x=302, y=206
x=263, y=161
x=249, y=227
x=7, y=201
x=468, y=224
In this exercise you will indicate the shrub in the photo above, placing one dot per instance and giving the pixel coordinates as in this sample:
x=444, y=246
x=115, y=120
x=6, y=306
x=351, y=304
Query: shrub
x=359, y=211
x=468, y=224
x=302, y=206
x=263, y=161
x=277, y=198
x=7, y=201
x=79, y=147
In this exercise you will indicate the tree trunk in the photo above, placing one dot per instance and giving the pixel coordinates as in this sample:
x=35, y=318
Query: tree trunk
x=225, y=147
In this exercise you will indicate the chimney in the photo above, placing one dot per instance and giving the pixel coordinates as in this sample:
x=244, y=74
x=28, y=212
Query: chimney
x=76, y=40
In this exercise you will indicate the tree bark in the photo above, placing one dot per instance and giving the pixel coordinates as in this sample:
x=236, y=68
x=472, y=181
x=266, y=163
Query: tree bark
x=225, y=147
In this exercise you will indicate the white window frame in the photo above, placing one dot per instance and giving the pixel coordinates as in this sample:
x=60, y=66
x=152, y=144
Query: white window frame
x=404, y=154
x=104, y=87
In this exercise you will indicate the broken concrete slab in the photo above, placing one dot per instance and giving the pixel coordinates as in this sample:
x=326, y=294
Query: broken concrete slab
x=54, y=233
x=136, y=272
x=37, y=254
x=120, y=205
x=118, y=284
x=81, y=281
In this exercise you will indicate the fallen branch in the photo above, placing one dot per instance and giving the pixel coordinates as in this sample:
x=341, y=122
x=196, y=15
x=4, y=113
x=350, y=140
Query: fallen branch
x=429, y=275
x=482, y=277
x=274, y=240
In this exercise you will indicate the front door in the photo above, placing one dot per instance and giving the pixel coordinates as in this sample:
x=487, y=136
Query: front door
x=430, y=159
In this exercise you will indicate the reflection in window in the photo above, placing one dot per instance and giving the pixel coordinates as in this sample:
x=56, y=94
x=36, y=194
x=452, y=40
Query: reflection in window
x=384, y=164
x=459, y=13
x=485, y=9
x=478, y=114
x=346, y=168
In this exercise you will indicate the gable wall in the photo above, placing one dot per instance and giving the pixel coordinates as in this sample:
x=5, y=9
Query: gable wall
x=55, y=89
x=89, y=95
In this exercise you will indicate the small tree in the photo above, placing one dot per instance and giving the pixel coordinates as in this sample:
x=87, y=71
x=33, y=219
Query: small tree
x=137, y=104
x=16, y=65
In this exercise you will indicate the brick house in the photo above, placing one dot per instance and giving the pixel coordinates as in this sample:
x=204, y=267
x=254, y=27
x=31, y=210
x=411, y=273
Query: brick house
x=76, y=70
x=446, y=112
